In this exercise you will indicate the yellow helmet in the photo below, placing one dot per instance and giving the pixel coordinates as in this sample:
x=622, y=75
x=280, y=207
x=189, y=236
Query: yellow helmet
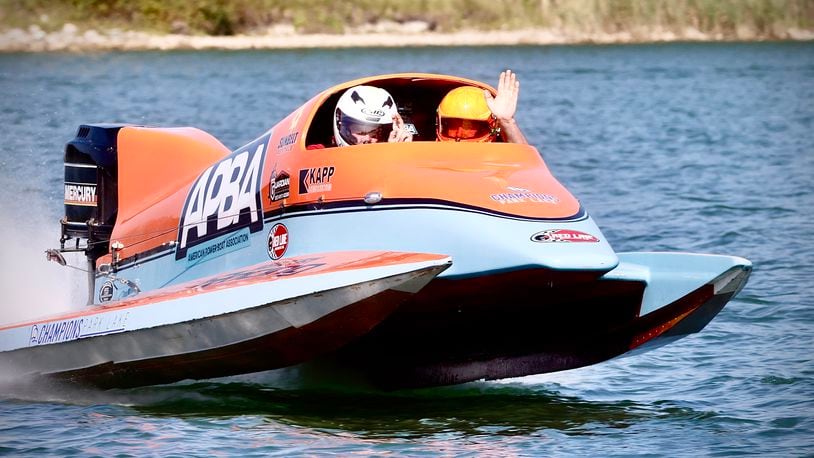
x=463, y=115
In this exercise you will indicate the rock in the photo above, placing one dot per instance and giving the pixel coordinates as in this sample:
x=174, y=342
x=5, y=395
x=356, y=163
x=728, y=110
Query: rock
x=69, y=29
x=36, y=32
x=281, y=30
x=179, y=27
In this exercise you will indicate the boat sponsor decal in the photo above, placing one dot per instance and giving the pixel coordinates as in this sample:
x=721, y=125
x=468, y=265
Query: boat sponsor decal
x=279, y=186
x=219, y=246
x=563, y=236
x=80, y=194
x=224, y=198
x=317, y=179
x=278, y=241
x=77, y=328
x=521, y=195
x=282, y=268
x=287, y=142
x=106, y=292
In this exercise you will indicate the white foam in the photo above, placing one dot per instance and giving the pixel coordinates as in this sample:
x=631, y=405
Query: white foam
x=30, y=286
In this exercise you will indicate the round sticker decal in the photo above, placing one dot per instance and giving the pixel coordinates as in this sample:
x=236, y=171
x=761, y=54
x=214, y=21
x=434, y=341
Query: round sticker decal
x=278, y=241
x=106, y=292
x=563, y=236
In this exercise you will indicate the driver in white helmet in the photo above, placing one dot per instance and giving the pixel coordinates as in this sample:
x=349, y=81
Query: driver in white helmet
x=367, y=114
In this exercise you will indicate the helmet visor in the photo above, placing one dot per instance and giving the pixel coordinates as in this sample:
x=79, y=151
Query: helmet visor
x=463, y=129
x=355, y=132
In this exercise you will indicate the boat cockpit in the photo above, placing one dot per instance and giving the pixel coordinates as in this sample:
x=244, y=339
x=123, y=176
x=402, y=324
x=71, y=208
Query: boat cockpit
x=417, y=99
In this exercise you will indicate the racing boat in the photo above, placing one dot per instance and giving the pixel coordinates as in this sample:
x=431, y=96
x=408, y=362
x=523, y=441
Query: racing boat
x=442, y=262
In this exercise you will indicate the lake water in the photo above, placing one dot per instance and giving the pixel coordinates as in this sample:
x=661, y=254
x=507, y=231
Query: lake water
x=680, y=147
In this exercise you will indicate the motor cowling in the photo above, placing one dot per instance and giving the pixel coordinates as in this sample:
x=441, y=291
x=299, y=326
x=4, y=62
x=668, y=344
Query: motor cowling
x=91, y=187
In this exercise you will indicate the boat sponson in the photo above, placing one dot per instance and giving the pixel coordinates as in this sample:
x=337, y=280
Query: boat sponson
x=270, y=351
x=240, y=325
x=538, y=327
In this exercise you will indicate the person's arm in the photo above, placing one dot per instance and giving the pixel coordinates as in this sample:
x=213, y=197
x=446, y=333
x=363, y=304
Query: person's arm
x=504, y=106
x=512, y=131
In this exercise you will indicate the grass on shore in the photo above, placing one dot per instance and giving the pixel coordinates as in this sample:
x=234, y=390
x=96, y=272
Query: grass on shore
x=765, y=18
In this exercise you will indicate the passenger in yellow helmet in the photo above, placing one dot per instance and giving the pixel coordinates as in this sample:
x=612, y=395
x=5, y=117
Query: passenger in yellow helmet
x=470, y=114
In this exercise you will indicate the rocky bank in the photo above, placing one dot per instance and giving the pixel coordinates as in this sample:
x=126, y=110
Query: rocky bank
x=70, y=38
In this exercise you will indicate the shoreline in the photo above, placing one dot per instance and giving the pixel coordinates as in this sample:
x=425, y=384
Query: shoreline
x=70, y=39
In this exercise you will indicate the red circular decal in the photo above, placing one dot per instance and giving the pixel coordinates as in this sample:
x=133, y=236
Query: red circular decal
x=278, y=241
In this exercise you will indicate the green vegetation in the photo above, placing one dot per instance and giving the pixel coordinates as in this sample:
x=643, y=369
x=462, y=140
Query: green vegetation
x=764, y=18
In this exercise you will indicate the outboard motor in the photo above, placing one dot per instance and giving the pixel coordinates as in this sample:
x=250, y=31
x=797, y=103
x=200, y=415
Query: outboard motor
x=91, y=194
x=91, y=191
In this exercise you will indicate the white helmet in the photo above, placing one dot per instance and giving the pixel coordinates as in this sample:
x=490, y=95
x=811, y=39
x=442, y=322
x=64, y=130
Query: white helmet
x=364, y=114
